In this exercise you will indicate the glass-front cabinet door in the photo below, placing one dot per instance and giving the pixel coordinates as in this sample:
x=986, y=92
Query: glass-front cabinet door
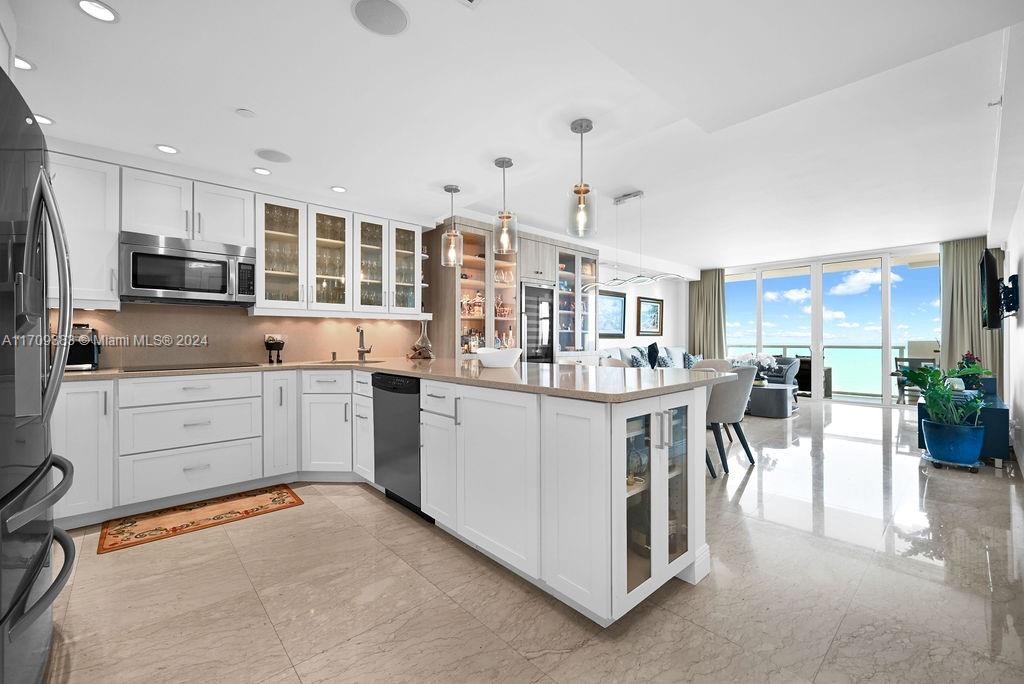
x=329, y=237
x=280, y=253
x=568, y=338
x=370, y=266
x=475, y=311
x=652, y=505
x=404, y=291
x=506, y=310
x=587, y=304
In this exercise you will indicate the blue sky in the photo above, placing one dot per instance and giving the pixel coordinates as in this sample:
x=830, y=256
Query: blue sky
x=852, y=301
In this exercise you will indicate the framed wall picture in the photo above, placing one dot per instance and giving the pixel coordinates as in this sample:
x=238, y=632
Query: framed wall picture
x=611, y=314
x=650, y=316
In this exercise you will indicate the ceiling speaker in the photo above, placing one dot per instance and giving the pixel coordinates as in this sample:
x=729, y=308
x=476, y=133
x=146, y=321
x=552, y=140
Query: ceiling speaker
x=383, y=17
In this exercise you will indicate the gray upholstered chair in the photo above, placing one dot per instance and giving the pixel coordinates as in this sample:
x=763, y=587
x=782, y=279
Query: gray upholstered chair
x=784, y=373
x=726, y=406
x=722, y=366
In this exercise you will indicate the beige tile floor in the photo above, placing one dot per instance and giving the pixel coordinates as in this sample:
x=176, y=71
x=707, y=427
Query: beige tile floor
x=839, y=557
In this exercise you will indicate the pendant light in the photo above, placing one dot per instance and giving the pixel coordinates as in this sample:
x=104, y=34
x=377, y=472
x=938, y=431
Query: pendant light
x=451, y=241
x=582, y=215
x=506, y=224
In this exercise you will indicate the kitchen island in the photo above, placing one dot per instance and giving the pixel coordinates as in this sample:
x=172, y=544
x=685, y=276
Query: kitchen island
x=585, y=480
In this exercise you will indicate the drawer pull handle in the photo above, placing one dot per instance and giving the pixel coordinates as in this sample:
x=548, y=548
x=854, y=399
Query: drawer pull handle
x=360, y=416
x=326, y=380
x=189, y=469
x=199, y=424
x=362, y=382
x=195, y=387
x=436, y=396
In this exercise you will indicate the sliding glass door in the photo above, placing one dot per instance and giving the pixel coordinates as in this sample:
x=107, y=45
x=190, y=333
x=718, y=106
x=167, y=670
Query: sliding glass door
x=786, y=312
x=852, y=328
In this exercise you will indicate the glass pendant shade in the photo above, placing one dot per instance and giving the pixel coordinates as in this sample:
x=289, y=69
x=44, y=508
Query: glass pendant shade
x=582, y=214
x=451, y=248
x=506, y=233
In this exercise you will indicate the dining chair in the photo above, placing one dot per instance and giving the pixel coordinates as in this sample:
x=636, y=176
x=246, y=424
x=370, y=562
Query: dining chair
x=727, y=404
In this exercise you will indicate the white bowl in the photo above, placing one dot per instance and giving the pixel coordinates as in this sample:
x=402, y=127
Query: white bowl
x=498, y=358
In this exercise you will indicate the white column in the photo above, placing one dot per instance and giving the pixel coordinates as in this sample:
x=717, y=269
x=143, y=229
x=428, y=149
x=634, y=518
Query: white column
x=817, y=333
x=887, y=359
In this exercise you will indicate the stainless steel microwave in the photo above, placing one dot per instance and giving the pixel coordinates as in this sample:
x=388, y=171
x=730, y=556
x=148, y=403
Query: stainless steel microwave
x=158, y=268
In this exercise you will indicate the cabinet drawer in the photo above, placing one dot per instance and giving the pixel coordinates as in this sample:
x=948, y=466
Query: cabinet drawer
x=437, y=397
x=362, y=383
x=179, y=389
x=327, y=382
x=144, y=477
x=149, y=428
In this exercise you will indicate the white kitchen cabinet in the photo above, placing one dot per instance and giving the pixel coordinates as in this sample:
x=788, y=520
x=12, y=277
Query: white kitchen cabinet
x=281, y=268
x=152, y=428
x=154, y=475
x=537, y=261
x=280, y=422
x=329, y=242
x=362, y=436
x=82, y=430
x=156, y=203
x=656, y=447
x=404, y=268
x=498, y=480
x=371, y=264
x=87, y=193
x=575, y=507
x=224, y=214
x=327, y=432
x=438, y=468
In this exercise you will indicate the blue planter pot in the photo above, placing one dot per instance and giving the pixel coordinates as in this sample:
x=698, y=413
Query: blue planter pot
x=959, y=444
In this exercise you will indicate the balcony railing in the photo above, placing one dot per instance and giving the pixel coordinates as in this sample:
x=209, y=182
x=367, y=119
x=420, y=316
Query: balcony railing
x=856, y=368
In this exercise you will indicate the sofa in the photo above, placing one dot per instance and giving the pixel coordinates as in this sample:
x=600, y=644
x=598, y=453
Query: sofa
x=676, y=357
x=784, y=373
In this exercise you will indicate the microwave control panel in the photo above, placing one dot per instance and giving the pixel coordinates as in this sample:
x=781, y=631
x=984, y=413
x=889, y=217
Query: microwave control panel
x=247, y=280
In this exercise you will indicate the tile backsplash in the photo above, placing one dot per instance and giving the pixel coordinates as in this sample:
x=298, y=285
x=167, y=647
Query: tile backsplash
x=211, y=334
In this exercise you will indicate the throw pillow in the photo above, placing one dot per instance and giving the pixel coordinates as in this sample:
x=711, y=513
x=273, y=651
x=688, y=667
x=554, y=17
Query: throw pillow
x=677, y=355
x=692, y=360
x=636, y=358
x=652, y=354
x=663, y=361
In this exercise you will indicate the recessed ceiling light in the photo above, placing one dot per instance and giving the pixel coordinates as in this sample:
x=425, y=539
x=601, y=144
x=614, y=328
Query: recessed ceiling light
x=167, y=149
x=29, y=120
x=98, y=10
x=276, y=156
x=338, y=188
x=45, y=120
x=245, y=113
x=23, y=64
x=261, y=171
x=383, y=17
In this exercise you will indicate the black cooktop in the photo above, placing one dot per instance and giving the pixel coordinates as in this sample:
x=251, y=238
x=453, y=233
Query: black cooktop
x=190, y=366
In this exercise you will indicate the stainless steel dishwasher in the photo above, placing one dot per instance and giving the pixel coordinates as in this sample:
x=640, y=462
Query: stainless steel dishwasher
x=396, y=436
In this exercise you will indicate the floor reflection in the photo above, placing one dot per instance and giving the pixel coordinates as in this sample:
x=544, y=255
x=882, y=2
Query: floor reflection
x=943, y=550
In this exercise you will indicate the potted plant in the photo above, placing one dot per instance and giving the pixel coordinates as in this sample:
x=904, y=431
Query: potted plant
x=975, y=381
x=762, y=361
x=952, y=434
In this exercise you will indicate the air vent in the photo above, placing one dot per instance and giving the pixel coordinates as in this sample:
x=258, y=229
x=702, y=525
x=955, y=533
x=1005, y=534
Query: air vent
x=383, y=17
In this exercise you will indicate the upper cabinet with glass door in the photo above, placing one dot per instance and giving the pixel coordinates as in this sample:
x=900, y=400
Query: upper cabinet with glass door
x=280, y=253
x=371, y=264
x=587, y=305
x=568, y=339
x=329, y=236
x=405, y=245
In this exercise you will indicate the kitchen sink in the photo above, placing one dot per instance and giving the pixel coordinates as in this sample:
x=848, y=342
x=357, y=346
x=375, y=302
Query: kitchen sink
x=349, y=361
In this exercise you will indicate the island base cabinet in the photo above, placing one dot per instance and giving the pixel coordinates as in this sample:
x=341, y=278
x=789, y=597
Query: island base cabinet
x=575, y=506
x=657, y=485
x=82, y=431
x=327, y=432
x=498, y=481
x=280, y=423
x=362, y=436
x=438, y=449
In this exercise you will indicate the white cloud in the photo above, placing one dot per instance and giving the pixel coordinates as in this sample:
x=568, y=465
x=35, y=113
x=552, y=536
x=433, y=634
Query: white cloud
x=848, y=324
x=797, y=294
x=903, y=326
x=733, y=324
x=936, y=303
x=767, y=324
x=828, y=314
x=771, y=296
x=936, y=320
x=872, y=328
x=860, y=281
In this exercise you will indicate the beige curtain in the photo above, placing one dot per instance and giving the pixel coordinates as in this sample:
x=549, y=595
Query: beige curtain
x=961, y=307
x=707, y=315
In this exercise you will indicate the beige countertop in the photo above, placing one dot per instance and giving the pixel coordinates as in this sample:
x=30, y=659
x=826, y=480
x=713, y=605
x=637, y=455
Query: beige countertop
x=573, y=381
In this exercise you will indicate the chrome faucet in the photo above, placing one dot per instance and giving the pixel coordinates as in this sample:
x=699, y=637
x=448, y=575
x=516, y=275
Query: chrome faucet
x=362, y=349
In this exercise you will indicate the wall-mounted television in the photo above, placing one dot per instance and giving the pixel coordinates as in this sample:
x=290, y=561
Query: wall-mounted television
x=998, y=300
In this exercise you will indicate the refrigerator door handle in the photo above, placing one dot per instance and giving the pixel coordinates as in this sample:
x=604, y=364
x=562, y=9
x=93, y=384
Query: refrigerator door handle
x=27, y=617
x=60, y=247
x=20, y=518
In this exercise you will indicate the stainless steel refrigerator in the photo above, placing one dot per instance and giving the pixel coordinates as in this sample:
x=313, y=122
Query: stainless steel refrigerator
x=31, y=366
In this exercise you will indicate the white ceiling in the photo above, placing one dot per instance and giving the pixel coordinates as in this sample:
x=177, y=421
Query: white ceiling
x=759, y=130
